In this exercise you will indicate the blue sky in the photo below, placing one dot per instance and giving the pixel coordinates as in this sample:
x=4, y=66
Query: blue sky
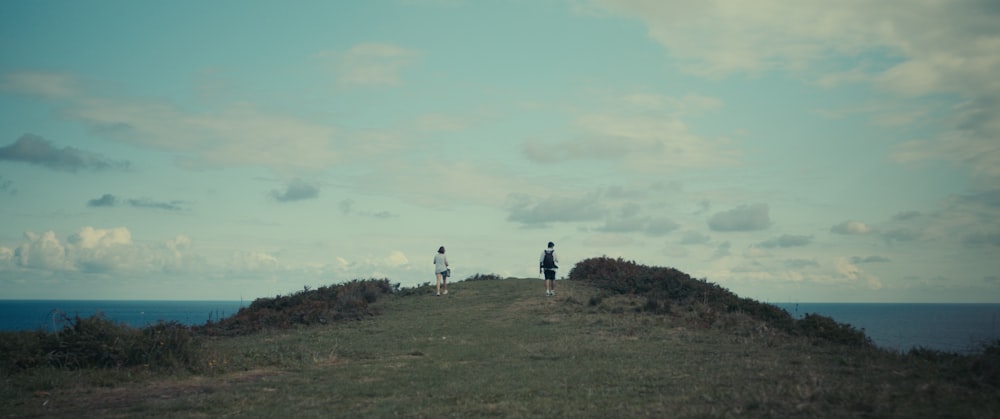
x=787, y=150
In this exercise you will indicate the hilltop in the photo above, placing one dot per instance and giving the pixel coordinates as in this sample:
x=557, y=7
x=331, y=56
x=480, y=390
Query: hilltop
x=619, y=339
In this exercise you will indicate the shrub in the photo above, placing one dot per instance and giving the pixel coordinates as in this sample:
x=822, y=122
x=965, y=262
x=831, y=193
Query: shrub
x=422, y=289
x=167, y=345
x=350, y=300
x=665, y=287
x=22, y=350
x=97, y=342
x=825, y=328
x=986, y=364
x=481, y=277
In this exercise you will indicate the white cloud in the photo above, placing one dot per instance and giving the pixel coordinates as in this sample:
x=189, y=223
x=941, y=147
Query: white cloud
x=43, y=251
x=397, y=258
x=742, y=218
x=686, y=105
x=373, y=64
x=438, y=122
x=91, y=238
x=341, y=262
x=47, y=85
x=900, y=235
x=847, y=269
x=851, y=227
x=455, y=182
x=645, y=134
x=905, y=48
x=629, y=220
x=238, y=135
x=979, y=153
x=719, y=38
x=694, y=237
x=786, y=240
x=853, y=273
x=104, y=251
x=253, y=261
x=235, y=135
x=532, y=210
x=395, y=266
x=608, y=241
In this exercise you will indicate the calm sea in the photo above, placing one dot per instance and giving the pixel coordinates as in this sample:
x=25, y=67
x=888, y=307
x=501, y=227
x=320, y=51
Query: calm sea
x=45, y=314
x=961, y=328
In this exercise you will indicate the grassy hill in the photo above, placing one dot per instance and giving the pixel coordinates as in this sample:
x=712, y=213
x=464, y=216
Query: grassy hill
x=618, y=340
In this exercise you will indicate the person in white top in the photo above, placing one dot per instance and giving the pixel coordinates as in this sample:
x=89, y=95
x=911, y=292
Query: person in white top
x=548, y=263
x=441, y=270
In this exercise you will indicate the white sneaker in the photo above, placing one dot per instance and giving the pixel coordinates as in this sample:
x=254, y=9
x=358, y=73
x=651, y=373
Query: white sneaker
x=445, y=292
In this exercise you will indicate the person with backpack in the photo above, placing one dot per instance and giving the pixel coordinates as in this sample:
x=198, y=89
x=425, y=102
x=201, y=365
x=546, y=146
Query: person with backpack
x=441, y=271
x=548, y=263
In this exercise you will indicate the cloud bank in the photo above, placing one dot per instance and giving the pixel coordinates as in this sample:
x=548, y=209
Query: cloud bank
x=99, y=251
x=33, y=149
x=296, y=190
x=743, y=218
x=109, y=200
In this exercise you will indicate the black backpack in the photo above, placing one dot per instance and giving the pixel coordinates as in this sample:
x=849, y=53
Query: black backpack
x=549, y=262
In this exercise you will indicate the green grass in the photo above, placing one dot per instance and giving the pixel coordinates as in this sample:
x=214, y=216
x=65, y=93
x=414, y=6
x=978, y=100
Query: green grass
x=501, y=348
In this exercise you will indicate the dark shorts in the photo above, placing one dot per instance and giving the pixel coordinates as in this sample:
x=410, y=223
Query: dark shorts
x=550, y=274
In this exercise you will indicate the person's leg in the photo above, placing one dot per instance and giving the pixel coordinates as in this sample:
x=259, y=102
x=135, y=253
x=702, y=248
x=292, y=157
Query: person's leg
x=444, y=284
x=438, y=276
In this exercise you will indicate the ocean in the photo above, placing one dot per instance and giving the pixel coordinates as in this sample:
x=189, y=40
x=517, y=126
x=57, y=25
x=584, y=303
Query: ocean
x=45, y=314
x=959, y=328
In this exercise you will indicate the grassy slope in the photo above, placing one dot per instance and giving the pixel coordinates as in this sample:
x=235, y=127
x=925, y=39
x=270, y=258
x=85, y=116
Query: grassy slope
x=501, y=348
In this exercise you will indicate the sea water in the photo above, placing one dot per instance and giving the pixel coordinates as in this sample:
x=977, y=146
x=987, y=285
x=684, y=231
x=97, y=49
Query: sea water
x=959, y=328
x=48, y=315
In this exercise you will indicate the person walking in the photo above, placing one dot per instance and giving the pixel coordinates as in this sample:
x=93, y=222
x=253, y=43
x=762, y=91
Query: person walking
x=441, y=271
x=548, y=262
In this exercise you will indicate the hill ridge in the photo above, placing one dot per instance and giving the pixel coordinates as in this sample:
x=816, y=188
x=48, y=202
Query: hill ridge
x=500, y=347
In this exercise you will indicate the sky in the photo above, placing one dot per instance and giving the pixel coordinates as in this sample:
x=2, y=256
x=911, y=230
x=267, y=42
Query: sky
x=789, y=151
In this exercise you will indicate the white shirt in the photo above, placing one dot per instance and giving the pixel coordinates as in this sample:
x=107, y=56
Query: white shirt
x=440, y=263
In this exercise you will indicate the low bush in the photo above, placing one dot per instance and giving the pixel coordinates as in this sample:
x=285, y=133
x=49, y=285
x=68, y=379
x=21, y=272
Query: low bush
x=664, y=288
x=97, y=342
x=350, y=300
x=986, y=364
x=817, y=326
x=482, y=277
